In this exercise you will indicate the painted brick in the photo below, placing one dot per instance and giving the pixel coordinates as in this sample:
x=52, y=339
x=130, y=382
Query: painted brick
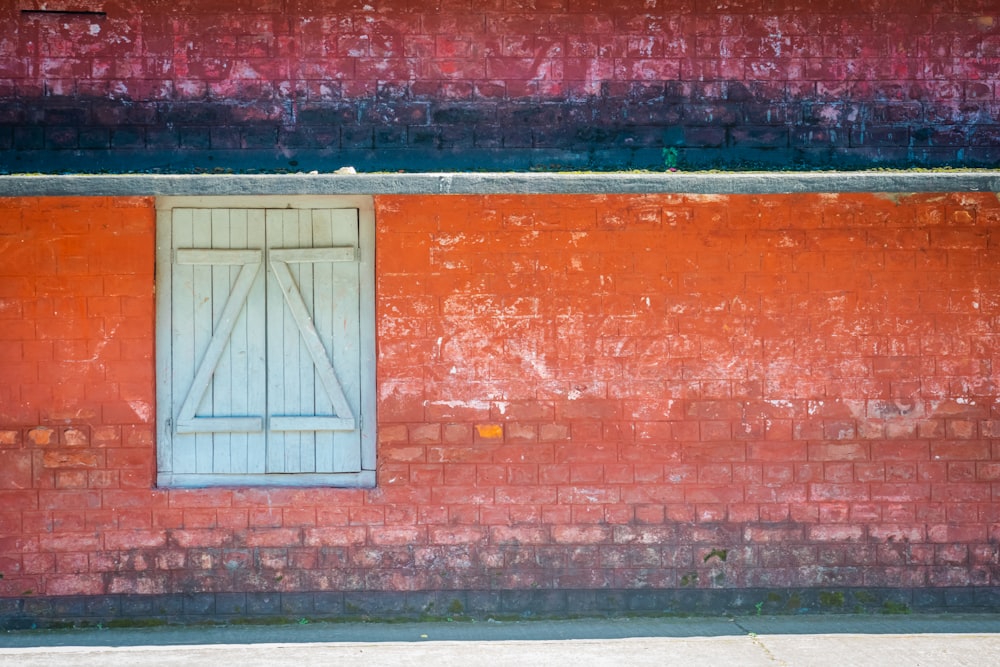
x=625, y=58
x=70, y=459
x=130, y=540
x=340, y=536
x=821, y=453
x=946, y=533
x=196, y=538
x=15, y=469
x=42, y=436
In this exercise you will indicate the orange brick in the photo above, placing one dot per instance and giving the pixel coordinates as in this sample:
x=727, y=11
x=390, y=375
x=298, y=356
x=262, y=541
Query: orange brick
x=489, y=431
x=43, y=436
x=65, y=458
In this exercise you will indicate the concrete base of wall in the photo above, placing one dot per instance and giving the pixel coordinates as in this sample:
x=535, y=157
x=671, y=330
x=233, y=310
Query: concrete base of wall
x=276, y=607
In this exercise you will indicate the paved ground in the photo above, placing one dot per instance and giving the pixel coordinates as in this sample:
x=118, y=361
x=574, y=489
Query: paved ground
x=840, y=641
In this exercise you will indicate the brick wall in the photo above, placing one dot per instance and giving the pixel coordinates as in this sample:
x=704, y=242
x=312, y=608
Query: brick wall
x=686, y=393
x=472, y=84
x=77, y=403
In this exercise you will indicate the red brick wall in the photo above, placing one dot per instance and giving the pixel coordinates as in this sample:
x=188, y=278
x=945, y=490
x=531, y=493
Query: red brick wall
x=76, y=402
x=575, y=392
x=415, y=84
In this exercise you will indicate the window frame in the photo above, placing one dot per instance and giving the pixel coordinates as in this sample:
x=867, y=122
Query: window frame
x=367, y=422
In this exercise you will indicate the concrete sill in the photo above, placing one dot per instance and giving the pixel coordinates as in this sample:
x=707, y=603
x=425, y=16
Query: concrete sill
x=500, y=183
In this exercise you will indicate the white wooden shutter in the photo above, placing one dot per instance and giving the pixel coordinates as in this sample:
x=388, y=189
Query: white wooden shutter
x=265, y=355
x=313, y=341
x=218, y=347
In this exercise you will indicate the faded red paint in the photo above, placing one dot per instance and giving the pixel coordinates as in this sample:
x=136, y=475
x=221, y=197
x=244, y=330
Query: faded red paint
x=239, y=50
x=574, y=392
x=282, y=84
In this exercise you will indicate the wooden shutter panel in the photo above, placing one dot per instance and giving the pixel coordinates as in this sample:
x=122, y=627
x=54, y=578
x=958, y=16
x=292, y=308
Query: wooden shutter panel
x=218, y=345
x=263, y=373
x=313, y=341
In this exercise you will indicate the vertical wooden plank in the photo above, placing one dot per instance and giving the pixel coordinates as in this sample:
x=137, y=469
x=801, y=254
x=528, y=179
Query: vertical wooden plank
x=365, y=213
x=322, y=307
x=164, y=346
x=202, y=325
x=238, y=359
x=275, y=445
x=256, y=351
x=282, y=350
x=220, y=390
x=182, y=365
x=292, y=357
x=344, y=348
x=307, y=373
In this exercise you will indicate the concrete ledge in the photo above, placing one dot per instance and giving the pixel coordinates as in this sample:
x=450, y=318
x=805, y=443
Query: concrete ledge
x=500, y=183
x=183, y=608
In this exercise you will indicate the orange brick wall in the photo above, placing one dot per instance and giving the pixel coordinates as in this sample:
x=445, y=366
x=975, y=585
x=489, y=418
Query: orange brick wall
x=575, y=392
x=76, y=402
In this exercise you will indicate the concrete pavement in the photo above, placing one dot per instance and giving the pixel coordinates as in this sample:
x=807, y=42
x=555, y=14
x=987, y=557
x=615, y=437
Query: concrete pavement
x=840, y=641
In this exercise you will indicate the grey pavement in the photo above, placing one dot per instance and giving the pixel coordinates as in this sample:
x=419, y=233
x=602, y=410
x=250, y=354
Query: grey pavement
x=834, y=640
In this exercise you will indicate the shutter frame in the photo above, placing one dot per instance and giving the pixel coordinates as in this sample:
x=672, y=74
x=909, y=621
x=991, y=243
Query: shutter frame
x=361, y=254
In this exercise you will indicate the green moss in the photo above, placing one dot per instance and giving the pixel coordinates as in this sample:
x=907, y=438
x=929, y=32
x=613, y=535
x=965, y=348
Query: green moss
x=135, y=623
x=721, y=554
x=58, y=625
x=260, y=620
x=892, y=607
x=834, y=599
x=865, y=597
